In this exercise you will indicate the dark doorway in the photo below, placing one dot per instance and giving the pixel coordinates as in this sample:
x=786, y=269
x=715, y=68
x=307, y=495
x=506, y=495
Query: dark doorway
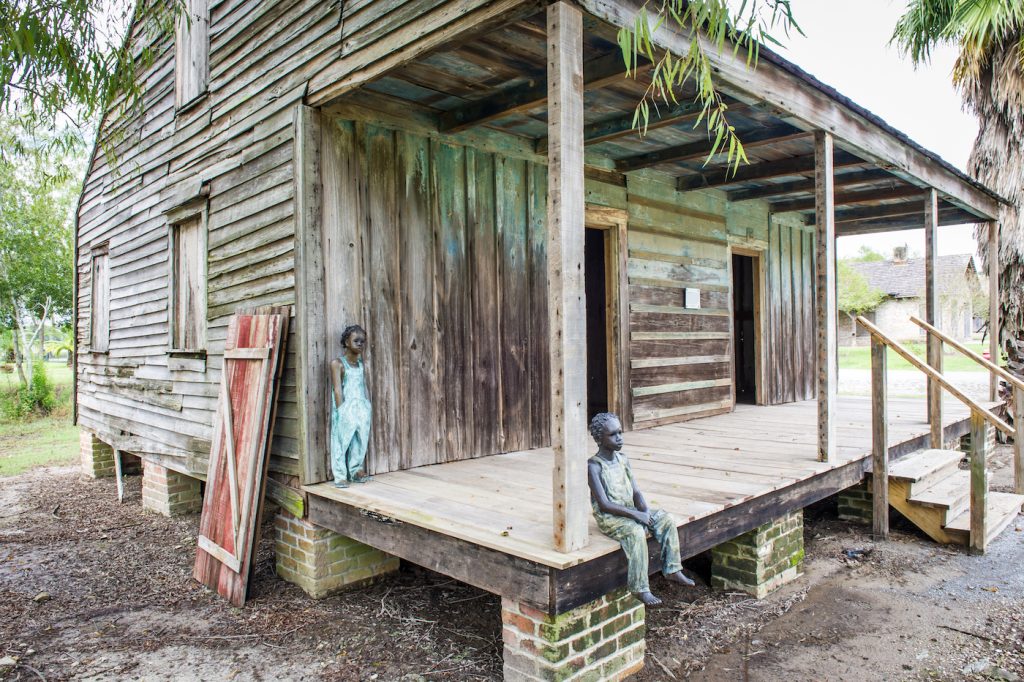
x=744, y=310
x=597, y=321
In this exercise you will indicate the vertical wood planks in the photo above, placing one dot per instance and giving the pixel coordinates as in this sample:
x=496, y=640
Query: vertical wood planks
x=381, y=240
x=825, y=278
x=483, y=298
x=343, y=229
x=807, y=343
x=566, y=305
x=788, y=367
x=539, y=362
x=311, y=376
x=511, y=197
x=931, y=295
x=994, y=325
x=454, y=346
x=979, y=481
x=417, y=396
x=879, y=441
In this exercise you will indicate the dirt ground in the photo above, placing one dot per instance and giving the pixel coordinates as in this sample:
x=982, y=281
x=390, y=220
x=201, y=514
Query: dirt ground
x=90, y=589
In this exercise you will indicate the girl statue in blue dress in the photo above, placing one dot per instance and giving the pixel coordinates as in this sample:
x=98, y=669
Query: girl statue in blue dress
x=350, y=411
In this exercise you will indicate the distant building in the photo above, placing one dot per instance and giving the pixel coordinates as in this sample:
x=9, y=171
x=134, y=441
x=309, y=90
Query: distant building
x=902, y=281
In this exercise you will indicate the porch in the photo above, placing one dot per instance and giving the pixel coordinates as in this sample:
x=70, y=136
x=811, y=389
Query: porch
x=488, y=521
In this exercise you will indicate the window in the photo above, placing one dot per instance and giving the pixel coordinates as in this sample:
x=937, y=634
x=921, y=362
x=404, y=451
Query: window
x=192, y=52
x=188, y=285
x=99, y=327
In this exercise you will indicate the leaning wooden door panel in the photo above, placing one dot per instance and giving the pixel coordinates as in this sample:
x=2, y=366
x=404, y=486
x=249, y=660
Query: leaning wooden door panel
x=238, y=456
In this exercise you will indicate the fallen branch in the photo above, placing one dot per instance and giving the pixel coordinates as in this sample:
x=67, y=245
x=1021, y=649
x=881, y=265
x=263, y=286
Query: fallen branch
x=967, y=632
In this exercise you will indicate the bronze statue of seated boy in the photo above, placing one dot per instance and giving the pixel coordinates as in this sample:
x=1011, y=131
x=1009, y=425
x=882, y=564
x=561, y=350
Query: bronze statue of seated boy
x=622, y=512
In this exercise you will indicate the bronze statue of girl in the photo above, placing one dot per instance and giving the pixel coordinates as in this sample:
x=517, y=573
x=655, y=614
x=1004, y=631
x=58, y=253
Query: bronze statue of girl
x=350, y=412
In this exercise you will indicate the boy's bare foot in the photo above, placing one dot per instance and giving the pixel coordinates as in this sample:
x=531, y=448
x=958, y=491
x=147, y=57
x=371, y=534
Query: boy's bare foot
x=648, y=599
x=680, y=577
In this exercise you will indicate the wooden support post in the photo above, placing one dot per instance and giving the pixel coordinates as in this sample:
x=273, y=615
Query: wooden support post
x=993, y=305
x=879, y=441
x=119, y=474
x=825, y=292
x=1018, y=440
x=979, y=481
x=931, y=316
x=311, y=355
x=566, y=303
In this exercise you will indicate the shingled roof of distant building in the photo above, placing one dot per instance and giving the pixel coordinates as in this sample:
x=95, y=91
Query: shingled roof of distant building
x=905, y=279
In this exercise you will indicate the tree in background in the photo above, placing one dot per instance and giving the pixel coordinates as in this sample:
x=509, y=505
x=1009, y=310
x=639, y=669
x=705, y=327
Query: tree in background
x=868, y=255
x=64, y=63
x=854, y=295
x=36, y=268
x=989, y=74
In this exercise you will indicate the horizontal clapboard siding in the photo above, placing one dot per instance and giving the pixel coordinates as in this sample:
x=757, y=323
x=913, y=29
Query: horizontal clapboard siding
x=679, y=358
x=238, y=140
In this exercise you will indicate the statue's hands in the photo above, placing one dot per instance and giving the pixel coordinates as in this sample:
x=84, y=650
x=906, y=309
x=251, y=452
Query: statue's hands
x=643, y=518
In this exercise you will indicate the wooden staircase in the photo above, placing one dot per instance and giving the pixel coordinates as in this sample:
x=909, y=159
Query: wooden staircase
x=929, y=488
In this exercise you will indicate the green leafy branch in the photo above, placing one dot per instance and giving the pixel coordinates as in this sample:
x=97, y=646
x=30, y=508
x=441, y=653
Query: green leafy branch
x=746, y=28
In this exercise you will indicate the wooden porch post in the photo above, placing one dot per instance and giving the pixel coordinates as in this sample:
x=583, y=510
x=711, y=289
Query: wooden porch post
x=825, y=293
x=566, y=303
x=934, y=344
x=993, y=306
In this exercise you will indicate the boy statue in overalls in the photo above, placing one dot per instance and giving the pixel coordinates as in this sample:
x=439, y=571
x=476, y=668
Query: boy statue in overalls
x=622, y=512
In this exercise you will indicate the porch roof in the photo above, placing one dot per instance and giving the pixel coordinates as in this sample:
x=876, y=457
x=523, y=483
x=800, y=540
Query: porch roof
x=497, y=80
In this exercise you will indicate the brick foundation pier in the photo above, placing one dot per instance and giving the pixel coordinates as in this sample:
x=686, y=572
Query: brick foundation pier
x=761, y=560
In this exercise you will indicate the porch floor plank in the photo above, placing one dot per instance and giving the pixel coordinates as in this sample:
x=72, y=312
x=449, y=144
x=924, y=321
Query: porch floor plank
x=692, y=470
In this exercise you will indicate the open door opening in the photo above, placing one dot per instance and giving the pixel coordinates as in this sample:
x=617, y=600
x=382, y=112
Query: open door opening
x=595, y=285
x=744, y=307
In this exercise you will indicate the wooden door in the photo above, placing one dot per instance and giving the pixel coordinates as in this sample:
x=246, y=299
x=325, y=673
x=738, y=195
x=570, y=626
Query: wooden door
x=229, y=525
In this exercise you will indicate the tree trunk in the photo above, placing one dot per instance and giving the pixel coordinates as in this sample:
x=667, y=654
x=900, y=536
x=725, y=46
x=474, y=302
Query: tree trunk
x=18, y=359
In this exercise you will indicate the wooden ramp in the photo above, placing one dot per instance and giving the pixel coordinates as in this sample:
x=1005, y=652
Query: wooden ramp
x=711, y=468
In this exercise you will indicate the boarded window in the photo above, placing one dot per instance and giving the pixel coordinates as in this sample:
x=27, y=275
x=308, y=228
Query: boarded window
x=188, y=286
x=192, y=52
x=99, y=328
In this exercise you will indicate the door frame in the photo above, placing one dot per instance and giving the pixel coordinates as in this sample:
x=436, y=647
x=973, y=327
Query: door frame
x=614, y=223
x=760, y=281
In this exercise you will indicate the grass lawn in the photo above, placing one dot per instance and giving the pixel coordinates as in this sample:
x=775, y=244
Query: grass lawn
x=46, y=440
x=952, y=361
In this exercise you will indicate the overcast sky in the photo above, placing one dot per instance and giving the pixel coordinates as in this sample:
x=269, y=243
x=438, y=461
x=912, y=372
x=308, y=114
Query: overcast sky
x=846, y=46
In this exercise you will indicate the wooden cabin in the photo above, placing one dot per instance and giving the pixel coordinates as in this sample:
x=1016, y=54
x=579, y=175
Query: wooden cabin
x=462, y=178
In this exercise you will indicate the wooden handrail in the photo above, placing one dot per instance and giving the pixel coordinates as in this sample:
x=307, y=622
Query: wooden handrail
x=987, y=364
x=931, y=373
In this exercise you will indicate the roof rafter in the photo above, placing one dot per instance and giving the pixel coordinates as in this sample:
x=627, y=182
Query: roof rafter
x=760, y=171
x=700, y=149
x=620, y=126
x=848, y=198
x=596, y=74
x=807, y=185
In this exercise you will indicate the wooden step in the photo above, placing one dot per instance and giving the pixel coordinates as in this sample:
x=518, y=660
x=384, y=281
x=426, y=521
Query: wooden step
x=1002, y=509
x=951, y=495
x=924, y=468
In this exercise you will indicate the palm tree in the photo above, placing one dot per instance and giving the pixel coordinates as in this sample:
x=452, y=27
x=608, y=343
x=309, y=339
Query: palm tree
x=989, y=74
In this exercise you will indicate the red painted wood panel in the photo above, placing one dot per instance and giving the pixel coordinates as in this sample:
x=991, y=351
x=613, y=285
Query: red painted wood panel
x=229, y=526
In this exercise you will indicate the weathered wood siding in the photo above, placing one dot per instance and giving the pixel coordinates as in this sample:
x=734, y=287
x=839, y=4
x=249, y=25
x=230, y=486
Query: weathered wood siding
x=680, y=358
x=238, y=140
x=790, y=314
x=447, y=247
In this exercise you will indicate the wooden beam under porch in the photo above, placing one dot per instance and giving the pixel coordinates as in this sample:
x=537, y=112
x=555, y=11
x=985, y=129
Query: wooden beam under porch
x=488, y=521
